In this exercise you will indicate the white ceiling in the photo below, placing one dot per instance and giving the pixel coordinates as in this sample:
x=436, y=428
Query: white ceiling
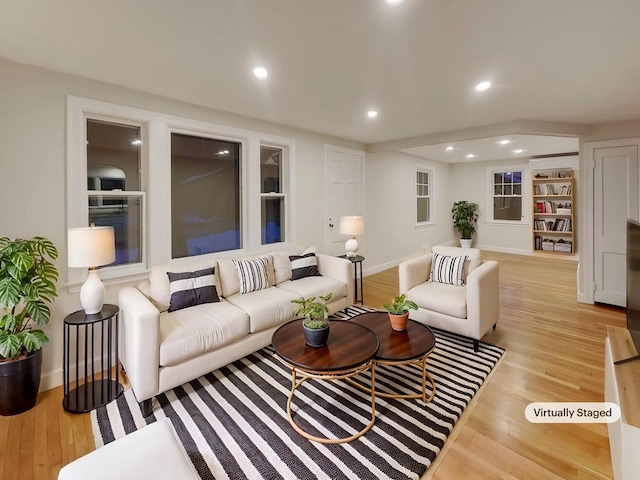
x=329, y=61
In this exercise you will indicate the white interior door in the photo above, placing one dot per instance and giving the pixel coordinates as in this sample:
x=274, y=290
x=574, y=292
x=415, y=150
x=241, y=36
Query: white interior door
x=343, y=192
x=615, y=199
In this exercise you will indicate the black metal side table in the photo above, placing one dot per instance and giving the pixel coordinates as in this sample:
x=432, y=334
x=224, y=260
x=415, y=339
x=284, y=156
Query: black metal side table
x=357, y=262
x=93, y=392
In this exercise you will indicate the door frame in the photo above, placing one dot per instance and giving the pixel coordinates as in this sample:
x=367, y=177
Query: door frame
x=334, y=148
x=586, y=266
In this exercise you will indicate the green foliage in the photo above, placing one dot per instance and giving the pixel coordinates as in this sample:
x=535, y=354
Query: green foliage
x=314, y=311
x=465, y=216
x=400, y=305
x=27, y=283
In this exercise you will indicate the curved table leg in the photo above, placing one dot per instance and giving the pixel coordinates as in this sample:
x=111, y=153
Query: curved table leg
x=343, y=375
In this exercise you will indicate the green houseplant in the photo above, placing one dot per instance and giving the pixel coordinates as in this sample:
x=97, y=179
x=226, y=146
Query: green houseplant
x=465, y=217
x=399, y=311
x=315, y=324
x=27, y=283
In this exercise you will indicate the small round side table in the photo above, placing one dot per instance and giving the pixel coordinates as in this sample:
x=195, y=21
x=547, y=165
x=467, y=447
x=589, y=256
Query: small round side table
x=93, y=392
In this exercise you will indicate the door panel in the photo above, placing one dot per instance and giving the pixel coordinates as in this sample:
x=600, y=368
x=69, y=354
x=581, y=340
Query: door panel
x=615, y=200
x=343, y=173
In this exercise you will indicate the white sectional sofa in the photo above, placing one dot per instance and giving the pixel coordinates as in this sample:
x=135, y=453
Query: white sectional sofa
x=161, y=349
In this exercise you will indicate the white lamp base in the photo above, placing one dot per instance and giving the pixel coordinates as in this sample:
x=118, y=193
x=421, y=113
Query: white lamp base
x=351, y=247
x=92, y=293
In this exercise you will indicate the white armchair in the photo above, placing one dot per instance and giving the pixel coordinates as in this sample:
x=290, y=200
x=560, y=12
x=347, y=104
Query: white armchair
x=469, y=310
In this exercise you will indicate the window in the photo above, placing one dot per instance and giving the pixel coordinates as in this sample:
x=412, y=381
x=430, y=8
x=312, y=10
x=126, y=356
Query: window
x=114, y=191
x=423, y=195
x=272, y=197
x=206, y=214
x=507, y=195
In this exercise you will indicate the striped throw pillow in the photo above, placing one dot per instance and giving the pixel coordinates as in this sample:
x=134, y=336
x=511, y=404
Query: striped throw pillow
x=192, y=288
x=304, y=266
x=446, y=269
x=253, y=274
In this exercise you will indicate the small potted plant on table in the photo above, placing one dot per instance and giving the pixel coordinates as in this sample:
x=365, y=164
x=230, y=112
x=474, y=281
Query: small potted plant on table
x=399, y=312
x=315, y=325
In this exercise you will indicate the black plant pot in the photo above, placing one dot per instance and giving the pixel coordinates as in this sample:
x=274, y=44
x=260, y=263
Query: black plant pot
x=19, y=384
x=316, y=337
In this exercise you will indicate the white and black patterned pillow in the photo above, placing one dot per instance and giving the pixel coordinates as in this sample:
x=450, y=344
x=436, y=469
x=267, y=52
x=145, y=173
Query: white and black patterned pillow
x=192, y=288
x=446, y=269
x=253, y=274
x=304, y=266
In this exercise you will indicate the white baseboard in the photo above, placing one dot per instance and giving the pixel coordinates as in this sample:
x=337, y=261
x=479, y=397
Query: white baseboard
x=51, y=379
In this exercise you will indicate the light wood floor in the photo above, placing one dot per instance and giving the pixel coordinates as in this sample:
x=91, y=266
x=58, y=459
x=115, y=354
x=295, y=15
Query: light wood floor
x=554, y=353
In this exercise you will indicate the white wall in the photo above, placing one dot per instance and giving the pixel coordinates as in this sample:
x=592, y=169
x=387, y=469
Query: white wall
x=391, y=234
x=33, y=188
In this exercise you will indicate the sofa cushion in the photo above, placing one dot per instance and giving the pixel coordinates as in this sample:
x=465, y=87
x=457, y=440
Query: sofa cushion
x=192, y=288
x=159, y=289
x=282, y=262
x=446, y=269
x=229, y=278
x=304, y=266
x=192, y=331
x=440, y=297
x=252, y=274
x=266, y=308
x=316, y=286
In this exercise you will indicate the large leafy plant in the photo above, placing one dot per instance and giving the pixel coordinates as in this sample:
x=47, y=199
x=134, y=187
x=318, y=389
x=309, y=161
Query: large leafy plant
x=27, y=283
x=314, y=311
x=465, y=216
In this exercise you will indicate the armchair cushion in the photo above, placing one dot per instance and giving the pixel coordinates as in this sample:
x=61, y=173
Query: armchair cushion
x=439, y=297
x=450, y=270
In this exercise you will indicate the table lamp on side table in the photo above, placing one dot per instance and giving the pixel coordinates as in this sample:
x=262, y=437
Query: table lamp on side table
x=352, y=225
x=91, y=247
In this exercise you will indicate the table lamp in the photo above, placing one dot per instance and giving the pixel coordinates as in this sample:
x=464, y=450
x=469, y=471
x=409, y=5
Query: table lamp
x=352, y=225
x=91, y=247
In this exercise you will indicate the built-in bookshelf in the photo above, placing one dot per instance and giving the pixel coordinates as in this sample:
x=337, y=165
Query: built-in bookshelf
x=553, y=211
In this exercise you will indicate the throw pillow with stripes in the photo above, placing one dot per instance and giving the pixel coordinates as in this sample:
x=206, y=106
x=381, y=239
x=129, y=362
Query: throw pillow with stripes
x=253, y=274
x=192, y=288
x=446, y=269
x=304, y=266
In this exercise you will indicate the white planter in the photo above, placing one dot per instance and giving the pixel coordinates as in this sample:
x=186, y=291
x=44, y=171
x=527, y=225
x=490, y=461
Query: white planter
x=465, y=242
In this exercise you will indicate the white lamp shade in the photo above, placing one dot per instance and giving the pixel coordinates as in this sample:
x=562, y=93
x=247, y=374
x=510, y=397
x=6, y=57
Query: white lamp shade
x=352, y=225
x=91, y=247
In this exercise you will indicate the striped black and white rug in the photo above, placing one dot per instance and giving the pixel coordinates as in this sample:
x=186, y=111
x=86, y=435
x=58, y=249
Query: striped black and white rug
x=233, y=421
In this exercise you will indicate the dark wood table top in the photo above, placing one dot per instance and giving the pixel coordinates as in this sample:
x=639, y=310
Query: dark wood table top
x=417, y=340
x=349, y=346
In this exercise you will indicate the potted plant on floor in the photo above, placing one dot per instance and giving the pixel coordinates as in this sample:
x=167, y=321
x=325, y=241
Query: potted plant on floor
x=315, y=325
x=27, y=283
x=465, y=216
x=399, y=311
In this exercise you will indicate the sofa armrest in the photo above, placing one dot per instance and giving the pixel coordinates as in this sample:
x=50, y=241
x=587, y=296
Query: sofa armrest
x=139, y=342
x=414, y=272
x=339, y=269
x=483, y=297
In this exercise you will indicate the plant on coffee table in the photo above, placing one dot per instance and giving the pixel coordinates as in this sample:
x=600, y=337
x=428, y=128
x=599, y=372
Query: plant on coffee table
x=315, y=324
x=399, y=311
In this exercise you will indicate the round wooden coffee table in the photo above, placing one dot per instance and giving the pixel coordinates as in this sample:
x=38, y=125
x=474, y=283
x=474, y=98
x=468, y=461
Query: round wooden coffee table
x=349, y=352
x=411, y=346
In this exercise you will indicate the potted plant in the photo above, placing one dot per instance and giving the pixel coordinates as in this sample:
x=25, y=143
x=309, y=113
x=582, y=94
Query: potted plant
x=27, y=283
x=399, y=311
x=315, y=325
x=465, y=216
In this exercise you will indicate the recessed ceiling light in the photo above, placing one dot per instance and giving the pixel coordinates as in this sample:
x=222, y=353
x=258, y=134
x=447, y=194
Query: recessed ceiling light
x=449, y=148
x=518, y=151
x=260, y=72
x=393, y=3
x=471, y=155
x=505, y=142
x=372, y=114
x=482, y=86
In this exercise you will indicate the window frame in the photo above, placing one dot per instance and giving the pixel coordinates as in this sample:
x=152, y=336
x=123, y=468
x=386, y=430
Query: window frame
x=430, y=196
x=525, y=193
x=284, y=189
x=155, y=165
